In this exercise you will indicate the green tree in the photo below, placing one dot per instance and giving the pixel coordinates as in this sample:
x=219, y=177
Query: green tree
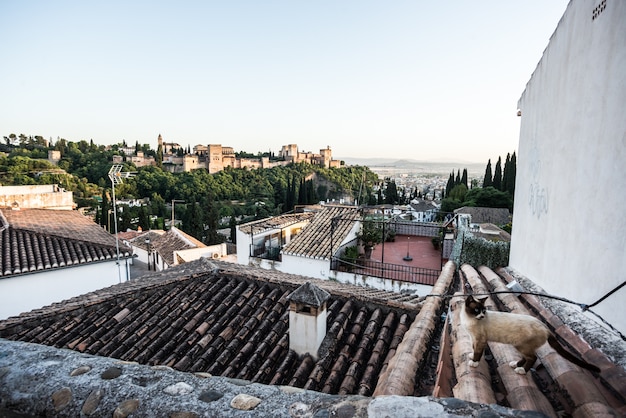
x=458, y=193
x=233, y=229
x=488, y=179
x=450, y=184
x=391, y=192
x=159, y=156
x=193, y=220
x=144, y=218
x=211, y=222
x=488, y=197
x=464, y=178
x=104, y=209
x=497, y=175
x=508, y=179
x=124, y=219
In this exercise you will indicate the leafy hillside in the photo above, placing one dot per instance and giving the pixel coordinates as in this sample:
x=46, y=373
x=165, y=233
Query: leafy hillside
x=212, y=199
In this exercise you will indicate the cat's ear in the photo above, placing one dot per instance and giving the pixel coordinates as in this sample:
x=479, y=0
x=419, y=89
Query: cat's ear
x=469, y=299
x=482, y=300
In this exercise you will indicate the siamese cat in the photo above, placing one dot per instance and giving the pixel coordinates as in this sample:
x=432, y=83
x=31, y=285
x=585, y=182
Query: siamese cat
x=523, y=332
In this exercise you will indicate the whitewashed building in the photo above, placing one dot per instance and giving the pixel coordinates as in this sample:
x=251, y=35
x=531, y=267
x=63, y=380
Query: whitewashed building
x=569, y=232
x=52, y=255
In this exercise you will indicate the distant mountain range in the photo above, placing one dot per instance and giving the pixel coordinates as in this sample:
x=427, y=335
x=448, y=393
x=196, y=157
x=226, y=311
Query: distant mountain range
x=415, y=165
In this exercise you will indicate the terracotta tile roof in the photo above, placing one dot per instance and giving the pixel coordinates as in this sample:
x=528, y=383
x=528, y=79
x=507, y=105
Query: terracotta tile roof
x=38, y=239
x=173, y=240
x=423, y=205
x=61, y=223
x=276, y=222
x=558, y=387
x=490, y=231
x=231, y=322
x=129, y=235
x=139, y=241
x=498, y=216
x=316, y=239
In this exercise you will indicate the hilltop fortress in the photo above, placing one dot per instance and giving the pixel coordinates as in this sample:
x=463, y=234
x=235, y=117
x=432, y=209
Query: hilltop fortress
x=215, y=157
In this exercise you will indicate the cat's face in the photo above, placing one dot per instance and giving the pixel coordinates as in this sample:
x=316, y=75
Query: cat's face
x=475, y=307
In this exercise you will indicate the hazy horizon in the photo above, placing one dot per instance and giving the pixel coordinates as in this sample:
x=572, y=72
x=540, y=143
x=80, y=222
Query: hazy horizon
x=424, y=80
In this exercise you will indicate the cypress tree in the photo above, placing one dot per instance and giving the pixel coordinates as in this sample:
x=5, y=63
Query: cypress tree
x=211, y=220
x=233, y=229
x=488, y=180
x=159, y=156
x=506, y=173
x=144, y=218
x=450, y=184
x=464, y=178
x=290, y=194
x=512, y=174
x=294, y=189
x=104, y=209
x=457, y=181
x=391, y=193
x=497, y=175
x=302, y=192
x=309, y=192
x=125, y=219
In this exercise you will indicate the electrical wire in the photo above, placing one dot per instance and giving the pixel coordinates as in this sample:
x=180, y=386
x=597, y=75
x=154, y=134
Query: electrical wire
x=584, y=307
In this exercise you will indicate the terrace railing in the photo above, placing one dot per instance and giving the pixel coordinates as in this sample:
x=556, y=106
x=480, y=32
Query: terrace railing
x=389, y=271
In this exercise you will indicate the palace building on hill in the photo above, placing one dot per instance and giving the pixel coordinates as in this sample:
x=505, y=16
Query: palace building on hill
x=216, y=157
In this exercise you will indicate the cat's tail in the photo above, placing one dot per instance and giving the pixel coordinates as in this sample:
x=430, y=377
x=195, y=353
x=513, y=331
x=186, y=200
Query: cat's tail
x=554, y=343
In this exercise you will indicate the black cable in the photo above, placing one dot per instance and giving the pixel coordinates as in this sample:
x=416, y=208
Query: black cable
x=586, y=307
x=583, y=306
x=517, y=292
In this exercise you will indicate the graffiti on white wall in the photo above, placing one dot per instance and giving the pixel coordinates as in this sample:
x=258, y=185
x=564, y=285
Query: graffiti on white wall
x=538, y=195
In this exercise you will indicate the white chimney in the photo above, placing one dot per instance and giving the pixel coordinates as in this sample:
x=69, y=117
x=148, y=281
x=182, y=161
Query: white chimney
x=307, y=319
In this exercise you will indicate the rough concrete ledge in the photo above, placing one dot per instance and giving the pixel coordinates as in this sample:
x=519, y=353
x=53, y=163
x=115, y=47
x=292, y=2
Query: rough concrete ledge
x=37, y=380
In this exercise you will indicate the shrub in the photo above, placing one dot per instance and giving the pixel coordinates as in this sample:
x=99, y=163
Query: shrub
x=349, y=257
x=476, y=251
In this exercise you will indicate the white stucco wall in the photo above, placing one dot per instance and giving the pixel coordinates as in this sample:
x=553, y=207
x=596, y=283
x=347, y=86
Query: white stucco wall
x=569, y=231
x=243, y=247
x=49, y=196
x=212, y=251
x=304, y=266
x=306, y=332
x=31, y=291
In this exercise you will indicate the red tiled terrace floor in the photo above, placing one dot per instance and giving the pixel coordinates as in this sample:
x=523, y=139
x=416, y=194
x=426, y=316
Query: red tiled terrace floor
x=420, y=249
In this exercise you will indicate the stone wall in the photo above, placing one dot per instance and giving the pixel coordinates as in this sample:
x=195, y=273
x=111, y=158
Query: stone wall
x=38, y=380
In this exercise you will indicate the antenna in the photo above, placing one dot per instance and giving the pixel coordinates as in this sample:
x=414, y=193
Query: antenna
x=117, y=175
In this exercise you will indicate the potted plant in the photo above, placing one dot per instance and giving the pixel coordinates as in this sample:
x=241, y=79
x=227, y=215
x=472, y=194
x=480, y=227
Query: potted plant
x=371, y=233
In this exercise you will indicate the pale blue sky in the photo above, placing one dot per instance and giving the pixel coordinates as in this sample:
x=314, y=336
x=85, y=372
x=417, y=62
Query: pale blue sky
x=427, y=80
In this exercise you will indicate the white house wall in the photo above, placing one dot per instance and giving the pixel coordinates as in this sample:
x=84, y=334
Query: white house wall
x=569, y=232
x=31, y=291
x=304, y=266
x=243, y=247
x=380, y=283
x=212, y=251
